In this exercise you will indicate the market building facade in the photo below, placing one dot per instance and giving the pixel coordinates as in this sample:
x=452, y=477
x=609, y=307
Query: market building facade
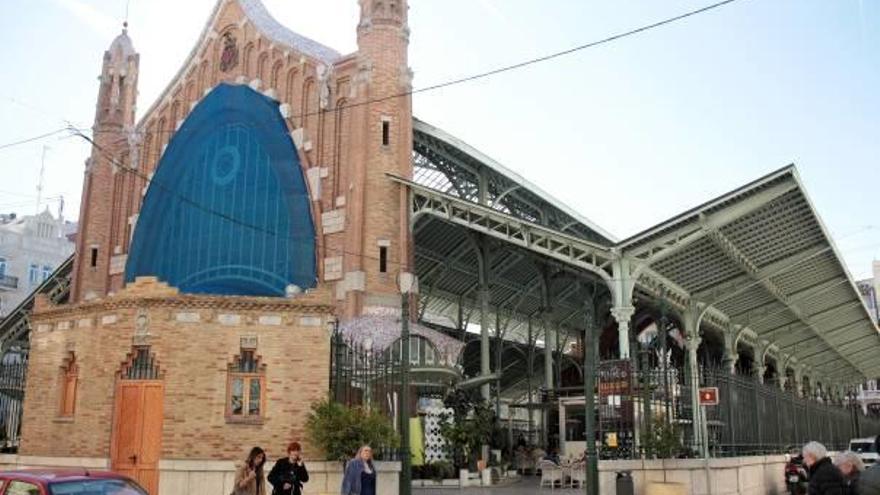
x=278, y=197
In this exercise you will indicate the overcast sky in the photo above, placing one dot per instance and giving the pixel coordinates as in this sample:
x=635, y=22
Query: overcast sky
x=628, y=134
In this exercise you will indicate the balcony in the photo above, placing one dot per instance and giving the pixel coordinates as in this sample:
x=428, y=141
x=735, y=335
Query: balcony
x=8, y=282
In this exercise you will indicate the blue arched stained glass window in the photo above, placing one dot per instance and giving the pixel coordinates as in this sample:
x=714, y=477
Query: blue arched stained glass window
x=227, y=211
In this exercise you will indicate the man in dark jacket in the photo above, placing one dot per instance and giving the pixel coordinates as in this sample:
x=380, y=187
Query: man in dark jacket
x=869, y=481
x=289, y=473
x=825, y=478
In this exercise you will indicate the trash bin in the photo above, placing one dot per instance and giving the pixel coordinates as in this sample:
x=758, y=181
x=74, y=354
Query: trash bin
x=625, y=483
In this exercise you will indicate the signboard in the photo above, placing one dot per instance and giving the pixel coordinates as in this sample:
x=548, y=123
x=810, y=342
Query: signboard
x=709, y=396
x=611, y=439
x=614, y=377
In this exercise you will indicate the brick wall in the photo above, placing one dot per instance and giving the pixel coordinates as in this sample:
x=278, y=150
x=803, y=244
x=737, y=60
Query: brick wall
x=355, y=206
x=193, y=356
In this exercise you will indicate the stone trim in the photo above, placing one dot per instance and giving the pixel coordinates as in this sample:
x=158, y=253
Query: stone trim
x=191, y=302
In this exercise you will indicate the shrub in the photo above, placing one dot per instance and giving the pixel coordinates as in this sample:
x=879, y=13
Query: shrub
x=340, y=431
x=664, y=441
x=442, y=470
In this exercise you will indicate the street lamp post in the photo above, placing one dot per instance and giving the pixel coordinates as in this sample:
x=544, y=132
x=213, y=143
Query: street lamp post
x=408, y=284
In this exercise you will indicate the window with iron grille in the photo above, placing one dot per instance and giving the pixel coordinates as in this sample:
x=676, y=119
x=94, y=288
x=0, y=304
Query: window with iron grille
x=69, y=377
x=245, y=388
x=141, y=366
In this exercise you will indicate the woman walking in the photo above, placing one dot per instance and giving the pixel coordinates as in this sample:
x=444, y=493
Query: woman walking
x=289, y=473
x=249, y=479
x=360, y=475
x=825, y=478
x=851, y=466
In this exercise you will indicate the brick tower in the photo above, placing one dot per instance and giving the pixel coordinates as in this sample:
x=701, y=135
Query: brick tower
x=112, y=131
x=378, y=235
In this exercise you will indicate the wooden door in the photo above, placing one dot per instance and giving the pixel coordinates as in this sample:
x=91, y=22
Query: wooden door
x=137, y=431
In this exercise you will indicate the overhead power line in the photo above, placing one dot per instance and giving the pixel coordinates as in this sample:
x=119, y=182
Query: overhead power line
x=569, y=51
x=32, y=139
x=473, y=77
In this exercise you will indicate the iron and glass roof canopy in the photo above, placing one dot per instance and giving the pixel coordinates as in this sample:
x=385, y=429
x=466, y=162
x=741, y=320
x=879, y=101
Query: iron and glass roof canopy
x=757, y=261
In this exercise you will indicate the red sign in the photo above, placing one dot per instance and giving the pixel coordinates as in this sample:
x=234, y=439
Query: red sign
x=709, y=396
x=614, y=377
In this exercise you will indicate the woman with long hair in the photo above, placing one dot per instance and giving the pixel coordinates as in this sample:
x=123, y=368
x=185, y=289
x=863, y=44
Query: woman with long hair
x=360, y=475
x=249, y=479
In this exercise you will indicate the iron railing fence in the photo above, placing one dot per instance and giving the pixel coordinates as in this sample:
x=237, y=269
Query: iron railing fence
x=363, y=377
x=752, y=418
x=12, y=386
x=760, y=418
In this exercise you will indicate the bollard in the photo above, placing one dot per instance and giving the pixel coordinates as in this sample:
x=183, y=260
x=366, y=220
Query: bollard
x=625, y=483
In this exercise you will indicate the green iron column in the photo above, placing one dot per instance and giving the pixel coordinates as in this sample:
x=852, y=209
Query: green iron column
x=485, y=359
x=548, y=377
x=549, y=344
x=691, y=322
x=406, y=461
x=591, y=360
x=407, y=283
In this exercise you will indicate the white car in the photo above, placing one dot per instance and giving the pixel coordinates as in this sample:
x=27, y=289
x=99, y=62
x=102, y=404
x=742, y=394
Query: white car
x=866, y=448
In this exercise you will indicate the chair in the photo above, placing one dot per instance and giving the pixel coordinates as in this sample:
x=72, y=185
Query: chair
x=578, y=473
x=524, y=462
x=550, y=474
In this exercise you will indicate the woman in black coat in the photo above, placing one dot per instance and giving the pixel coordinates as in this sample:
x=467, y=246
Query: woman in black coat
x=289, y=473
x=825, y=478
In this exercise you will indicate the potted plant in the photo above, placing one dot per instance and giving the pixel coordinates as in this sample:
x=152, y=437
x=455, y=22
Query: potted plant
x=471, y=426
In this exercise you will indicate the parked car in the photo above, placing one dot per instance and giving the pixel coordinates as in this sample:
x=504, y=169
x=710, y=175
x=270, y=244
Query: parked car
x=866, y=448
x=66, y=482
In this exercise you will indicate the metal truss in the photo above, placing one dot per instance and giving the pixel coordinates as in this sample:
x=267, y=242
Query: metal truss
x=532, y=237
x=15, y=327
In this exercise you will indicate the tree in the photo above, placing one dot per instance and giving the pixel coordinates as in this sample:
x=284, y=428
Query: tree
x=470, y=426
x=664, y=440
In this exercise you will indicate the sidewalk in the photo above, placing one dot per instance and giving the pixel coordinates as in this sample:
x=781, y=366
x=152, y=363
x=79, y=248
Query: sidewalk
x=528, y=486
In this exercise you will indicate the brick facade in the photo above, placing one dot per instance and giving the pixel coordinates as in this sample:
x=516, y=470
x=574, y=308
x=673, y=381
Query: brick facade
x=335, y=113
x=350, y=119
x=194, y=339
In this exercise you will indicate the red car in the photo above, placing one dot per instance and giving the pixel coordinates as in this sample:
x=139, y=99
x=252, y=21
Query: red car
x=66, y=482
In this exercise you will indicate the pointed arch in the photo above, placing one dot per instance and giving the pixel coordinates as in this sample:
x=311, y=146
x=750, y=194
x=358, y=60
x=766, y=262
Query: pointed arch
x=203, y=78
x=190, y=93
x=161, y=138
x=276, y=78
x=247, y=60
x=233, y=215
x=263, y=68
x=309, y=105
x=176, y=115
x=291, y=90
